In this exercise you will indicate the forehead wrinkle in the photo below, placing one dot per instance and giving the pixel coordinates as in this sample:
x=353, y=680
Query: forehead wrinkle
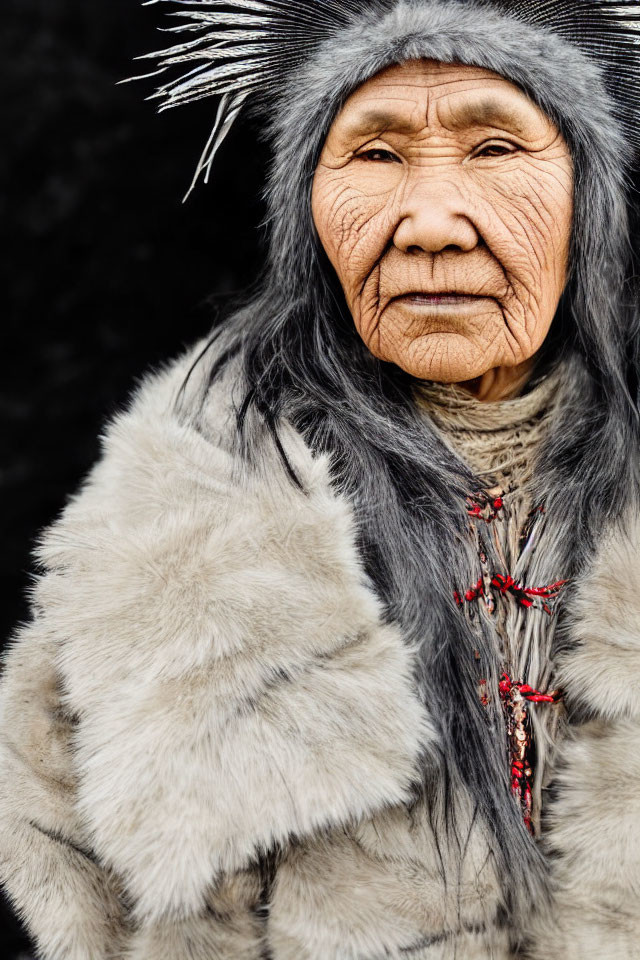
x=436, y=104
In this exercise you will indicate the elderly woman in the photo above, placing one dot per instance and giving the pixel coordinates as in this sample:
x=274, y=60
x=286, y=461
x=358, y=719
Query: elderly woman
x=336, y=654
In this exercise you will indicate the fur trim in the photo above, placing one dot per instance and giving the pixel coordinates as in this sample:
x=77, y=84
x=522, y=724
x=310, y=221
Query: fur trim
x=69, y=903
x=594, y=841
x=418, y=891
x=601, y=675
x=592, y=827
x=227, y=663
x=228, y=928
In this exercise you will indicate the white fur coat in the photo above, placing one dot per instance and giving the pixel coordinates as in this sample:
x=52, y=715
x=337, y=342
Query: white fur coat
x=207, y=678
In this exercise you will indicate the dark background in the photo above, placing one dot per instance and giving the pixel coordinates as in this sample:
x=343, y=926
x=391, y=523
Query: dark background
x=104, y=273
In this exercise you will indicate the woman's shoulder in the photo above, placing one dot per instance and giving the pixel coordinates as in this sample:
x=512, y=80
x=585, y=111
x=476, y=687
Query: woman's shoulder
x=211, y=634
x=155, y=457
x=173, y=534
x=176, y=444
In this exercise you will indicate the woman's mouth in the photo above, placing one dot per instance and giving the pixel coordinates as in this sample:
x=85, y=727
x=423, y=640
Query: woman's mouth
x=435, y=299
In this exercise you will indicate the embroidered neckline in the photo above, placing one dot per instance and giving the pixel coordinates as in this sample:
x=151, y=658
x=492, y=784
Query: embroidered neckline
x=500, y=442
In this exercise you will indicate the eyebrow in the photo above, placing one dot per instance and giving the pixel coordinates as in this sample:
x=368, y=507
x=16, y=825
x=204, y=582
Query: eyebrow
x=379, y=120
x=486, y=112
x=491, y=112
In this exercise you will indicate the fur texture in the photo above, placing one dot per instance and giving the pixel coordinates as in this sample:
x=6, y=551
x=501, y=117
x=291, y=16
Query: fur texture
x=208, y=678
x=222, y=654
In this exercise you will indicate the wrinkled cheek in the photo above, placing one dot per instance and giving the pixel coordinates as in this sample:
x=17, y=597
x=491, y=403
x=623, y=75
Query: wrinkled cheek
x=362, y=244
x=366, y=306
x=538, y=234
x=353, y=230
x=533, y=259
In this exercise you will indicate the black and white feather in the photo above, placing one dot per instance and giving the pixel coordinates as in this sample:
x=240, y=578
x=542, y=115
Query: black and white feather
x=244, y=50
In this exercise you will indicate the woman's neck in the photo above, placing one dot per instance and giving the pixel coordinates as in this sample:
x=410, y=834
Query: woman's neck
x=500, y=383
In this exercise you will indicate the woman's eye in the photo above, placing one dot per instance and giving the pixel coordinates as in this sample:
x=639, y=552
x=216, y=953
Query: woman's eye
x=383, y=156
x=494, y=150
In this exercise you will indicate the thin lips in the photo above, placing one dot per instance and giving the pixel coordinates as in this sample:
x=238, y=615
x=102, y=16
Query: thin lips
x=438, y=293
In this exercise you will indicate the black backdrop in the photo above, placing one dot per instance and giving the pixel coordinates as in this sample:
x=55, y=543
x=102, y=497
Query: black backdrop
x=105, y=272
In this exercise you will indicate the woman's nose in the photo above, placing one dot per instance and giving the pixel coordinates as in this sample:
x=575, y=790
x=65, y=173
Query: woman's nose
x=432, y=219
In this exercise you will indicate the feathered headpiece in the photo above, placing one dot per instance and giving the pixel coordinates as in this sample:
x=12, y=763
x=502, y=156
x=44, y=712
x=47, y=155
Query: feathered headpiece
x=244, y=50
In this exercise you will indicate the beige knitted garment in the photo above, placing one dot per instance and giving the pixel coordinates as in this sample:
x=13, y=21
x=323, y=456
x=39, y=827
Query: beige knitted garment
x=500, y=441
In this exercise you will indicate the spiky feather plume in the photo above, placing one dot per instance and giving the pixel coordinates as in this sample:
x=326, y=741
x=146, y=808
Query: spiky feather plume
x=242, y=49
x=245, y=49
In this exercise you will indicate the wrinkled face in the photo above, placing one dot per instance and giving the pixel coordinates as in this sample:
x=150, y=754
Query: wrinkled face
x=443, y=198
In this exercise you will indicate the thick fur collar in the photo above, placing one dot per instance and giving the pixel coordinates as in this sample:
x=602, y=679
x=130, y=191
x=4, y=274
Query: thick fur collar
x=600, y=671
x=233, y=681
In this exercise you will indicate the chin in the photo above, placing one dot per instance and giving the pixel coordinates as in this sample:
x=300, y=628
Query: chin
x=443, y=366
